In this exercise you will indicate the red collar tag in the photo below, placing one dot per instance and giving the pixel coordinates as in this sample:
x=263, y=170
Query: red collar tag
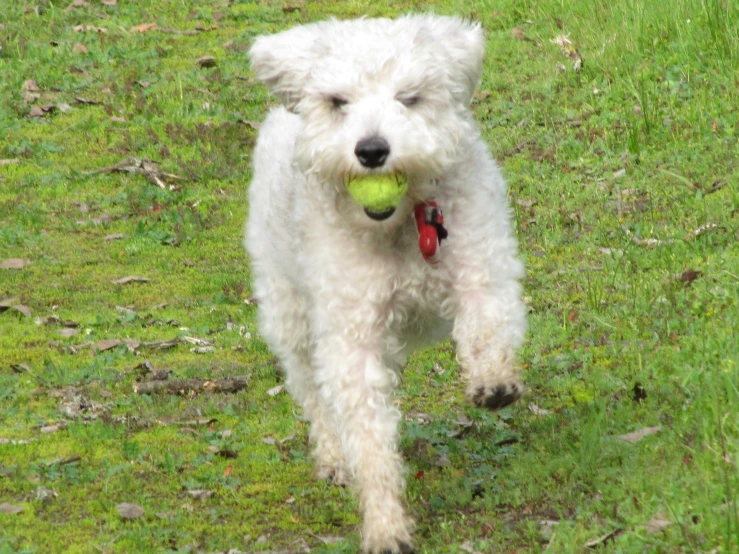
x=431, y=231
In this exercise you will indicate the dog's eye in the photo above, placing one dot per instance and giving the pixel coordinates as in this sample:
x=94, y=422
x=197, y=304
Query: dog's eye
x=338, y=102
x=409, y=101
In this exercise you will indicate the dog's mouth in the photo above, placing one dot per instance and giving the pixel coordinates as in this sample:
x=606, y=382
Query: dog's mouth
x=379, y=216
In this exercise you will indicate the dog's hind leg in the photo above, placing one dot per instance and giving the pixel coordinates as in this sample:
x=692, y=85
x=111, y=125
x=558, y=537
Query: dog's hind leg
x=283, y=323
x=355, y=383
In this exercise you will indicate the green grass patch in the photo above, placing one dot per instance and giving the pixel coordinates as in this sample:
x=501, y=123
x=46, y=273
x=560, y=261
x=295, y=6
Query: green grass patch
x=623, y=178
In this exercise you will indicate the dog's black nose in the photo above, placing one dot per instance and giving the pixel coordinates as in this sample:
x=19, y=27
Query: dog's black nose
x=372, y=151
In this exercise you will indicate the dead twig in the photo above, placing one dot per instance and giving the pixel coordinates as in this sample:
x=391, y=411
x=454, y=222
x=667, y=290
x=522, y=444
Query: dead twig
x=143, y=166
x=185, y=386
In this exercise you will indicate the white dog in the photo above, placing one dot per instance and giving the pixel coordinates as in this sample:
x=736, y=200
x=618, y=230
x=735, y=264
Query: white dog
x=345, y=293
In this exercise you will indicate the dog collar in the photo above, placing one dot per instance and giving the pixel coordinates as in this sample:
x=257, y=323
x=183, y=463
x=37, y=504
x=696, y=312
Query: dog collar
x=431, y=231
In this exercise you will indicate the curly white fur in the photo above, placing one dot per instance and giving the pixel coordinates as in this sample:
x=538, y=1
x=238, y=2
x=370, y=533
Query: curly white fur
x=342, y=297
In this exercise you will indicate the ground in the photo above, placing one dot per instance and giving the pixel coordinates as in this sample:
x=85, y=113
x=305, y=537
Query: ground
x=623, y=177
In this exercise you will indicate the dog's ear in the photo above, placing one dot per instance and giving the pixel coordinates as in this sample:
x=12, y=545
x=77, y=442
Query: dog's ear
x=284, y=61
x=464, y=46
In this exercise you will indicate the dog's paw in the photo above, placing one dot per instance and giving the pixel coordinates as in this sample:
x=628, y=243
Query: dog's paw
x=498, y=396
x=389, y=533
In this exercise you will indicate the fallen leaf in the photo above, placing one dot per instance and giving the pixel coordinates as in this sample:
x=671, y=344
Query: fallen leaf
x=249, y=123
x=103, y=345
x=25, y=310
x=688, y=276
x=81, y=100
x=31, y=86
x=77, y=4
x=118, y=119
x=41, y=111
x=52, y=428
x=80, y=48
x=130, y=511
x=536, y=410
x=520, y=35
x=206, y=61
x=20, y=368
x=130, y=279
x=290, y=437
x=7, y=508
x=7, y=302
x=468, y=546
x=274, y=391
x=14, y=263
x=569, y=50
x=89, y=29
x=228, y=471
x=200, y=494
x=443, y=461
x=657, y=524
x=636, y=436
x=143, y=28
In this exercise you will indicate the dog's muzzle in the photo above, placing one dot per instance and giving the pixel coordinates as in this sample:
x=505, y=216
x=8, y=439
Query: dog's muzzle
x=379, y=216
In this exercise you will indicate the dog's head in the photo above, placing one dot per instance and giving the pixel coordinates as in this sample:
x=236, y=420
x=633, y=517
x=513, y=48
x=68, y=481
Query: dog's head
x=376, y=95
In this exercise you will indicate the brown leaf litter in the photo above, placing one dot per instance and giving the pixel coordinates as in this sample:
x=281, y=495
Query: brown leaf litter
x=130, y=511
x=569, y=50
x=520, y=35
x=8, y=508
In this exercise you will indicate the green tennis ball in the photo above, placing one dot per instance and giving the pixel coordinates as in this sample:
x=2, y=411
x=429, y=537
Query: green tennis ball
x=378, y=193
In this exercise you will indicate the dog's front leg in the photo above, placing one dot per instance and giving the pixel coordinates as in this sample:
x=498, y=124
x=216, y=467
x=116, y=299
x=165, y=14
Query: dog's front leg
x=488, y=329
x=356, y=386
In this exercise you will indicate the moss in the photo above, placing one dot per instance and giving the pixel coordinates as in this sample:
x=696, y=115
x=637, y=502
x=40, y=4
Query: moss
x=607, y=310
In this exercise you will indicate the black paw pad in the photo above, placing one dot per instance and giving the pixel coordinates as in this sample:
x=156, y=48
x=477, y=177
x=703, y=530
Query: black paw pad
x=497, y=397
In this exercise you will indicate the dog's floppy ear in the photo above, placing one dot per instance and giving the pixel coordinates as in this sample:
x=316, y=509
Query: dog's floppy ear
x=284, y=61
x=464, y=45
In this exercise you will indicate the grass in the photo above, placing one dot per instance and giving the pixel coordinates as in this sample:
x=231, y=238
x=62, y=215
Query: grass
x=623, y=177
